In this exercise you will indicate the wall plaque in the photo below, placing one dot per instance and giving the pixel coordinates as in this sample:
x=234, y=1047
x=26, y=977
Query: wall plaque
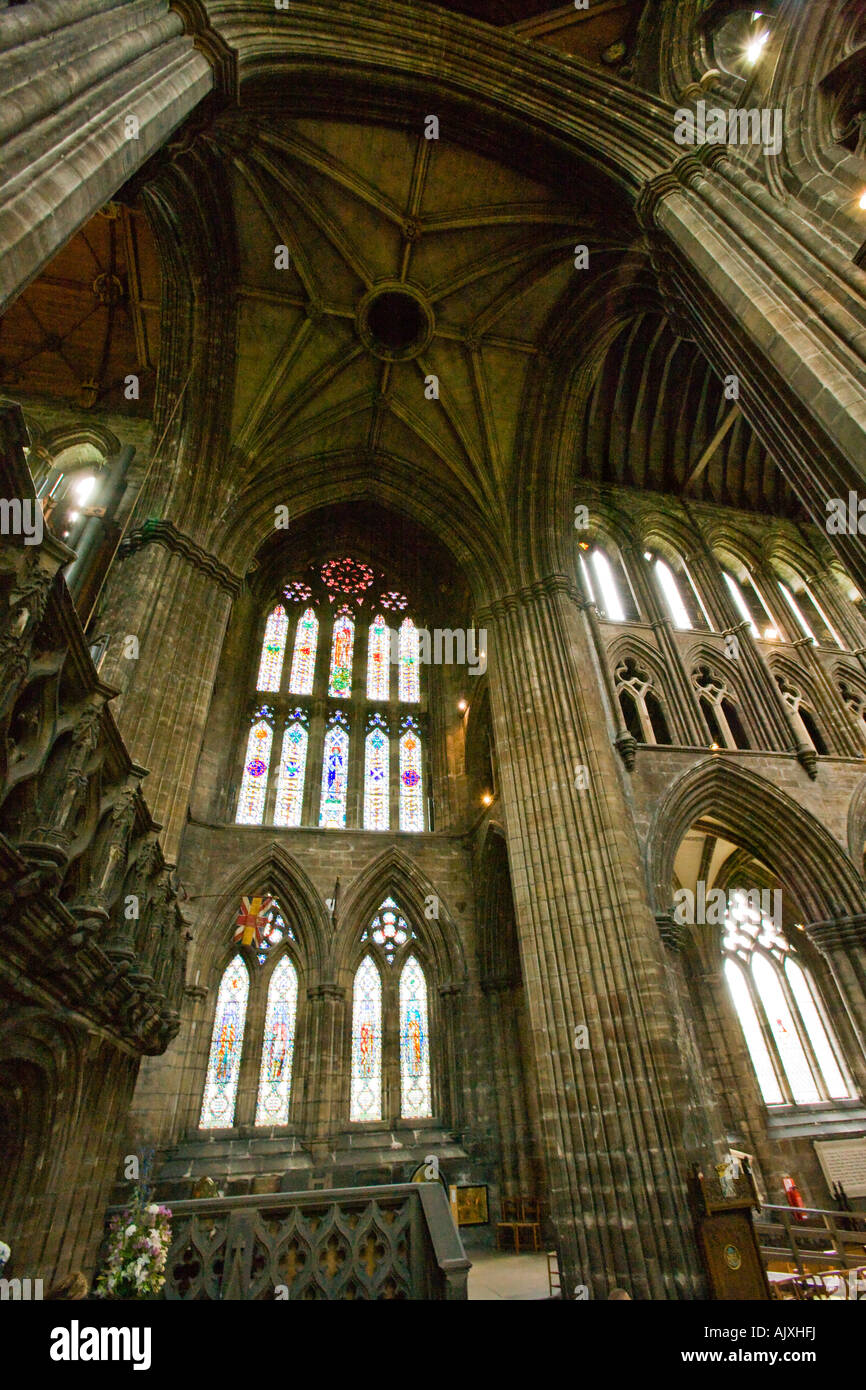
x=844, y=1161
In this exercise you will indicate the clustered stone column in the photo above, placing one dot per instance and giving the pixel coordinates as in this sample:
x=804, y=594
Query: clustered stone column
x=166, y=609
x=591, y=956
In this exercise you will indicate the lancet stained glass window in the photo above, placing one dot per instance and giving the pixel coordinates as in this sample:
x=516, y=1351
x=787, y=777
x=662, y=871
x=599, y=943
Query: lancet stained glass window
x=275, y=1075
x=378, y=657
x=376, y=781
x=409, y=683
x=273, y=650
x=340, y=683
x=292, y=774
x=335, y=774
x=304, y=655
x=415, y=1096
x=254, y=783
x=411, y=787
x=366, y=1090
x=220, y=1092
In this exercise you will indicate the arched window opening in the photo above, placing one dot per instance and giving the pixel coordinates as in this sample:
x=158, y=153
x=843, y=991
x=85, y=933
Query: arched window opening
x=734, y=723
x=804, y=720
x=304, y=656
x=409, y=680
x=658, y=722
x=679, y=594
x=628, y=705
x=254, y=783
x=751, y=607
x=794, y=1053
x=378, y=659
x=607, y=585
x=366, y=1083
x=856, y=703
x=811, y=618
x=278, y=1045
x=273, y=650
x=342, y=644
x=293, y=770
x=221, y=1085
x=415, y=1093
x=641, y=708
x=720, y=711
x=411, y=778
x=376, y=778
x=807, y=719
x=335, y=773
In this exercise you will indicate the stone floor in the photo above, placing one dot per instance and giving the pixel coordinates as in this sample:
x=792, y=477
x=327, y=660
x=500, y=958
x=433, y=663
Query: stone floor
x=496, y=1275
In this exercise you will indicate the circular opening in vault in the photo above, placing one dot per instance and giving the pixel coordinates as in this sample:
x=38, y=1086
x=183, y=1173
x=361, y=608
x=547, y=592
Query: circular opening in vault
x=395, y=321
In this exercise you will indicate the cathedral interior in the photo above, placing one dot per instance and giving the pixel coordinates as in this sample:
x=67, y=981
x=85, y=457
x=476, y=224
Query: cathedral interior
x=432, y=630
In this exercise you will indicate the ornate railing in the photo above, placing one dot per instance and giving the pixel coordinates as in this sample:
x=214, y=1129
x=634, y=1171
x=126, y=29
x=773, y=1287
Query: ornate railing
x=395, y=1241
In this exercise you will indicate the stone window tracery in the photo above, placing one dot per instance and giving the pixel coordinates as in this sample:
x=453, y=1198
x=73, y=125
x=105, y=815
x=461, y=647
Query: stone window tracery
x=719, y=709
x=246, y=979
x=325, y=698
x=391, y=1067
x=641, y=707
x=804, y=718
x=794, y=1052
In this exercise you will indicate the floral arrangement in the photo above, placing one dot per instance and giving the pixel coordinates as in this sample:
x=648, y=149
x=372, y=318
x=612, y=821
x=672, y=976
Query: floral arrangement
x=138, y=1242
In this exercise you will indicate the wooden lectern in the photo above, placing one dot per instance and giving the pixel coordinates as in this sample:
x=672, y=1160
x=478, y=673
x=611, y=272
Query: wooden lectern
x=725, y=1234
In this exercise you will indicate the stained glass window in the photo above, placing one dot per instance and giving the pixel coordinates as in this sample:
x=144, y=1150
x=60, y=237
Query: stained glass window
x=275, y=1076
x=366, y=1096
x=340, y=683
x=378, y=654
x=389, y=929
x=335, y=774
x=273, y=931
x=411, y=788
x=415, y=1098
x=220, y=1092
x=376, y=789
x=273, y=650
x=304, y=656
x=292, y=774
x=409, y=684
x=254, y=783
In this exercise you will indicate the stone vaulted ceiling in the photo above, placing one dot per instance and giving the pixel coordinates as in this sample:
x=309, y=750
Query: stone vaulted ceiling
x=475, y=259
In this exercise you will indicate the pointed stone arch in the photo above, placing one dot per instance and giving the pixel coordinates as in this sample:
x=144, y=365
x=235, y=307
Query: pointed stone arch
x=394, y=874
x=770, y=825
x=857, y=827
x=277, y=872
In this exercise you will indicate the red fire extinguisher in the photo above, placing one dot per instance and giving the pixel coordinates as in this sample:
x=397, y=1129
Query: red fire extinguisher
x=792, y=1192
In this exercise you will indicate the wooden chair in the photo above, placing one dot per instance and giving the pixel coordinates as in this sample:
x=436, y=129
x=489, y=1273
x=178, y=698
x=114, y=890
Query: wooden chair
x=554, y=1283
x=520, y=1214
x=530, y=1220
x=510, y=1218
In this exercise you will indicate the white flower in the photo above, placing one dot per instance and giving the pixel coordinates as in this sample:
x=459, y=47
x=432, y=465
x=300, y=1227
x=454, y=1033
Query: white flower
x=131, y=1229
x=5, y=1252
x=153, y=1208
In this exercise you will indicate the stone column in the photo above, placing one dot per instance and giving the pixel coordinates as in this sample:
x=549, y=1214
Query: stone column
x=326, y=1096
x=842, y=943
x=100, y=87
x=591, y=955
x=174, y=601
